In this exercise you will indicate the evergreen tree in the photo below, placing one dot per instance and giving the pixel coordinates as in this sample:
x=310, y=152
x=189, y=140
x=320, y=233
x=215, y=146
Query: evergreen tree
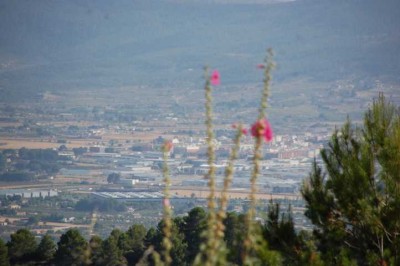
x=112, y=255
x=72, y=249
x=178, y=252
x=281, y=236
x=235, y=225
x=151, y=237
x=46, y=249
x=116, y=234
x=179, y=246
x=280, y=233
x=22, y=246
x=96, y=250
x=4, y=261
x=355, y=204
x=193, y=227
x=234, y=228
x=132, y=243
x=113, y=178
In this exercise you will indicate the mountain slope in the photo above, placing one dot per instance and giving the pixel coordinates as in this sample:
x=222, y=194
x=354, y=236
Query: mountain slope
x=48, y=45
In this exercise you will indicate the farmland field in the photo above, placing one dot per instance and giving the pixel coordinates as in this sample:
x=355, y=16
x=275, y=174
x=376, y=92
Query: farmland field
x=233, y=194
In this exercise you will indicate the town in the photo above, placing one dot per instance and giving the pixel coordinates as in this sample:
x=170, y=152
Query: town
x=99, y=168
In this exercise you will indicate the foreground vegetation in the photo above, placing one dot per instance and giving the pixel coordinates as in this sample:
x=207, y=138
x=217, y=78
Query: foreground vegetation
x=128, y=248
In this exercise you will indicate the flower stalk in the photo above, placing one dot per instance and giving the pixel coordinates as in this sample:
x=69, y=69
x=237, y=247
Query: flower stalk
x=221, y=215
x=261, y=131
x=211, y=243
x=269, y=66
x=167, y=212
x=208, y=250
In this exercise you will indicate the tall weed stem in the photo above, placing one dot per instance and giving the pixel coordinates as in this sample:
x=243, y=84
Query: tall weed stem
x=167, y=229
x=250, y=241
x=221, y=215
x=207, y=255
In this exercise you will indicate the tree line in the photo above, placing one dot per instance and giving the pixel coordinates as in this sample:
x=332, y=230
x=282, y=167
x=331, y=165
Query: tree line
x=24, y=165
x=129, y=248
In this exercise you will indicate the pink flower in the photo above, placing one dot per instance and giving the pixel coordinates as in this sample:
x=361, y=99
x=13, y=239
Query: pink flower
x=262, y=129
x=260, y=66
x=215, y=78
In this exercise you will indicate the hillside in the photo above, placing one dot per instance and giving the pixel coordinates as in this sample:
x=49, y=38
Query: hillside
x=47, y=45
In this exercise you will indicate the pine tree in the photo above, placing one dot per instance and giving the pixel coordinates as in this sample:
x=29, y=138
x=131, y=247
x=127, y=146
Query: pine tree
x=46, y=249
x=4, y=261
x=132, y=243
x=234, y=228
x=72, y=249
x=112, y=255
x=22, y=246
x=96, y=250
x=179, y=246
x=178, y=251
x=280, y=234
x=355, y=203
x=194, y=225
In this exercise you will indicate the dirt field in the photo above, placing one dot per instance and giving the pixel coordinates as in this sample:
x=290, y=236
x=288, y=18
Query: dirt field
x=11, y=220
x=143, y=136
x=242, y=194
x=24, y=185
x=12, y=143
x=17, y=143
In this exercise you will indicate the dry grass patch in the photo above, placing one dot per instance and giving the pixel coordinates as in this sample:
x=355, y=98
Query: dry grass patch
x=203, y=193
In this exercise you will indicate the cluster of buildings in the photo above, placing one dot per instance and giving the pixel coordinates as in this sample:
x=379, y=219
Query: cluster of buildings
x=286, y=161
x=28, y=193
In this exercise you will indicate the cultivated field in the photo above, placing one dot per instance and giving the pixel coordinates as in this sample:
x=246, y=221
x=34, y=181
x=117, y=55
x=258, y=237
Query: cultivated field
x=232, y=194
x=32, y=143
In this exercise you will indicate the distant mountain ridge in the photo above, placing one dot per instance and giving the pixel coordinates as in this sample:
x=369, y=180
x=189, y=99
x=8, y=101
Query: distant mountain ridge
x=47, y=45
